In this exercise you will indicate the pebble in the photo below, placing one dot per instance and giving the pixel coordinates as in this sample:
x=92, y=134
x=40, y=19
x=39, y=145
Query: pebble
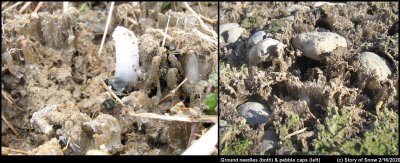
x=298, y=7
x=270, y=141
x=233, y=34
x=256, y=38
x=374, y=63
x=313, y=44
x=225, y=27
x=262, y=49
x=254, y=112
x=320, y=4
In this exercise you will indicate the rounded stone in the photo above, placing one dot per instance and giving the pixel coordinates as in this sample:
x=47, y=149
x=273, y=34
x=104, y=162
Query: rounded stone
x=254, y=112
x=270, y=141
x=313, y=44
x=256, y=38
x=232, y=35
x=226, y=27
x=262, y=49
x=375, y=64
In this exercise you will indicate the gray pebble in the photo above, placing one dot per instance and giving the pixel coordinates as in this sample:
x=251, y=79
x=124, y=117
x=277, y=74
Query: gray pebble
x=225, y=27
x=270, y=141
x=373, y=63
x=262, y=50
x=254, y=112
x=222, y=123
x=232, y=35
x=313, y=44
x=298, y=7
x=256, y=38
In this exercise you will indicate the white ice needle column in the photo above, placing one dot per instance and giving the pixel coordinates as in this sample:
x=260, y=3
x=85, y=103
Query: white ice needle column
x=127, y=59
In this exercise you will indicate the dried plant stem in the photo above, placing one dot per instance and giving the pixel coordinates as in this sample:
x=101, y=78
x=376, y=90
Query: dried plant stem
x=206, y=144
x=9, y=125
x=7, y=97
x=111, y=92
x=5, y=149
x=40, y=4
x=11, y=7
x=172, y=92
x=295, y=133
x=4, y=4
x=204, y=26
x=204, y=119
x=208, y=20
x=166, y=29
x=26, y=5
x=106, y=29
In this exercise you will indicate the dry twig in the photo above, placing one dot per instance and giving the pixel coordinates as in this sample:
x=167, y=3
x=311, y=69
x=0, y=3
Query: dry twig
x=10, y=125
x=24, y=7
x=205, y=119
x=166, y=29
x=206, y=144
x=204, y=26
x=11, y=7
x=40, y=4
x=172, y=92
x=106, y=29
x=295, y=133
x=8, y=150
x=111, y=92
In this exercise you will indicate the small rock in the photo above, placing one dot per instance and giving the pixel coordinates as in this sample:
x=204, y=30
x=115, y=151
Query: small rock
x=290, y=18
x=270, y=141
x=262, y=50
x=232, y=35
x=106, y=132
x=222, y=123
x=298, y=7
x=225, y=27
x=254, y=112
x=375, y=64
x=313, y=44
x=256, y=38
x=319, y=4
x=51, y=147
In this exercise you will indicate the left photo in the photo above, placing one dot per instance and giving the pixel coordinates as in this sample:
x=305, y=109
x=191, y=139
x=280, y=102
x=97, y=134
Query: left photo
x=109, y=78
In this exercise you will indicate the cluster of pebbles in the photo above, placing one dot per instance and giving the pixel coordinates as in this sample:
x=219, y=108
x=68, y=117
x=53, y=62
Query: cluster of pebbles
x=317, y=45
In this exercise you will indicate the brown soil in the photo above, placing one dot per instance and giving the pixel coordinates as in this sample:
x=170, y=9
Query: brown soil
x=50, y=67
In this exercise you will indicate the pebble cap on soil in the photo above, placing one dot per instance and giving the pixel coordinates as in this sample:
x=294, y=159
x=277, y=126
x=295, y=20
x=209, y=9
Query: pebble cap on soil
x=226, y=27
x=256, y=38
x=375, y=64
x=313, y=44
x=254, y=112
x=260, y=49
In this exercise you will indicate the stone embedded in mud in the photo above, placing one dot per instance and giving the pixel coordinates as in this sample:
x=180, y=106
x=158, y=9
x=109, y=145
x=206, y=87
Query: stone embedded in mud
x=314, y=44
x=106, y=132
x=254, y=112
x=270, y=141
x=232, y=35
x=225, y=27
x=320, y=4
x=296, y=7
x=263, y=49
x=52, y=147
x=256, y=38
x=373, y=63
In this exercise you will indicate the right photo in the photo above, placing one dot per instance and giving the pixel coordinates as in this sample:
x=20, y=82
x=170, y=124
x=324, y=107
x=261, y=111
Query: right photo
x=308, y=78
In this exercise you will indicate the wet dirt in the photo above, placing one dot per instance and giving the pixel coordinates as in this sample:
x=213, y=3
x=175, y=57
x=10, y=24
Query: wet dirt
x=52, y=74
x=307, y=97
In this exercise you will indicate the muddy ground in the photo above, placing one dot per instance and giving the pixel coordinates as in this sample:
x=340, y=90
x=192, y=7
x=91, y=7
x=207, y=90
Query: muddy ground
x=53, y=101
x=318, y=107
